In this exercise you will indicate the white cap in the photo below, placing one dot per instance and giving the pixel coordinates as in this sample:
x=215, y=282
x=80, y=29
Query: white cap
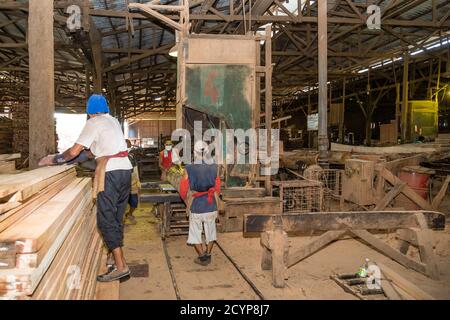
x=200, y=146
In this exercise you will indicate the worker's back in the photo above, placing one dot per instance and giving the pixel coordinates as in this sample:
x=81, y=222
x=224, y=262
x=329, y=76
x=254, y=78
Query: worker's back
x=103, y=134
x=202, y=177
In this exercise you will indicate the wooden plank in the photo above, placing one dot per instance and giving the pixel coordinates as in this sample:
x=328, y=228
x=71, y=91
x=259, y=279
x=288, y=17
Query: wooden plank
x=30, y=234
x=33, y=260
x=5, y=207
x=407, y=191
x=106, y=291
x=389, y=251
x=441, y=194
x=329, y=221
x=31, y=182
x=425, y=244
x=404, y=284
x=10, y=157
x=10, y=217
x=72, y=251
x=7, y=167
x=383, y=203
x=32, y=277
x=314, y=246
x=389, y=290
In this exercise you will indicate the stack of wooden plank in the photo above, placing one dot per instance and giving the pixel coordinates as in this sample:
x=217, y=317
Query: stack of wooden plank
x=20, y=116
x=49, y=244
x=7, y=162
x=6, y=135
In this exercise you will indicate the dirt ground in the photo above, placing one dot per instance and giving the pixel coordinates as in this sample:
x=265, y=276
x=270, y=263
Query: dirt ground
x=309, y=279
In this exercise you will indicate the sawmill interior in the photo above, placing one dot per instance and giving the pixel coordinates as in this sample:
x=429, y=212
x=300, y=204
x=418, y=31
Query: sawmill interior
x=338, y=109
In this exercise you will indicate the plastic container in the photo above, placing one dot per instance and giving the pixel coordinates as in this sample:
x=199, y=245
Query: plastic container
x=417, y=181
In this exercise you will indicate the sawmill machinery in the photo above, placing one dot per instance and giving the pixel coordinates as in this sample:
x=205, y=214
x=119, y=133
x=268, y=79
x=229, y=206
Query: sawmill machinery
x=219, y=83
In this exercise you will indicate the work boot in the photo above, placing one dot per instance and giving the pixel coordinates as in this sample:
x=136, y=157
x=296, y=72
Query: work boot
x=202, y=260
x=114, y=275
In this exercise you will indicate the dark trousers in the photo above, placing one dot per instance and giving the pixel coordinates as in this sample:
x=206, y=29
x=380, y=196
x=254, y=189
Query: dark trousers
x=111, y=206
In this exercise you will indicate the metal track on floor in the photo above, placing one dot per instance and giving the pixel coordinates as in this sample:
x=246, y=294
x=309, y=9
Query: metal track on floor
x=243, y=276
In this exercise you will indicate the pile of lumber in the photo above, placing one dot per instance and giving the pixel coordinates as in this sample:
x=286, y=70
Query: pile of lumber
x=49, y=244
x=6, y=135
x=20, y=116
x=8, y=163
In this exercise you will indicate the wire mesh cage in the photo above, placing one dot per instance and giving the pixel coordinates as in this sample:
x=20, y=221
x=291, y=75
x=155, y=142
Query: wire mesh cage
x=300, y=196
x=330, y=178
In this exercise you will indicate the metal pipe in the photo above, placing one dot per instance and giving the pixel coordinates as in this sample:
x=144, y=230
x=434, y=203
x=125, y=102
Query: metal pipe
x=323, y=79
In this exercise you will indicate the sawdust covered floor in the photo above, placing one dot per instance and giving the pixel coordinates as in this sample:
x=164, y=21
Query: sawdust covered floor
x=309, y=279
x=144, y=253
x=143, y=247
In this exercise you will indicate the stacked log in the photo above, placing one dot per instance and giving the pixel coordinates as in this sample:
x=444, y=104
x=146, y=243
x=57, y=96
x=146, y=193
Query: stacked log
x=6, y=135
x=20, y=118
x=49, y=244
x=7, y=162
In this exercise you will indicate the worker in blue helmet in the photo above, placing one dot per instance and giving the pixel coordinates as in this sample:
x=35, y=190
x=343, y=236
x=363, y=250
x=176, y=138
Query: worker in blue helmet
x=103, y=135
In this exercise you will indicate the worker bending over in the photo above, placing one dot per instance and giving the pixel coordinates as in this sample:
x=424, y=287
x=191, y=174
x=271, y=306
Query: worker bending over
x=200, y=188
x=103, y=135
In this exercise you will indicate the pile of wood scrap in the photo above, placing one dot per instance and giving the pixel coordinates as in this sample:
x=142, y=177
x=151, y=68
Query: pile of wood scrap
x=7, y=162
x=49, y=244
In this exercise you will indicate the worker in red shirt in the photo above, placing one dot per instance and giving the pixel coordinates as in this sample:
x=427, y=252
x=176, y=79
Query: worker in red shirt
x=165, y=159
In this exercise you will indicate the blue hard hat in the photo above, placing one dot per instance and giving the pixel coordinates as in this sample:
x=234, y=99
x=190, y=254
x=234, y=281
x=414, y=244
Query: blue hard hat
x=97, y=104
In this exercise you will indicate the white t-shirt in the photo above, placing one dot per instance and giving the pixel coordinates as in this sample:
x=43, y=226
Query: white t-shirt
x=104, y=136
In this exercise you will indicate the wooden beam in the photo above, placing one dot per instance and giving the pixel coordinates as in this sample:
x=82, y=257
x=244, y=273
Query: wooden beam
x=404, y=284
x=42, y=86
x=389, y=197
x=407, y=191
x=389, y=251
x=314, y=246
x=304, y=223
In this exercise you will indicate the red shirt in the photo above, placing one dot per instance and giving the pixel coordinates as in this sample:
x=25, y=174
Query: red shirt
x=166, y=161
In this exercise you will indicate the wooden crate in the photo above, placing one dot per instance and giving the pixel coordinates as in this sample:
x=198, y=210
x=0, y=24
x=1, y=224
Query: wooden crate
x=358, y=182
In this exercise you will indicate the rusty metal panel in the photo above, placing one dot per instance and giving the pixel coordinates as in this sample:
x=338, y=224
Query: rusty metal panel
x=222, y=90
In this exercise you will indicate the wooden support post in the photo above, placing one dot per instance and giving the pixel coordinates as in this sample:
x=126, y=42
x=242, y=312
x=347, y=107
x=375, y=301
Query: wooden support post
x=279, y=247
x=266, y=260
x=275, y=253
x=42, y=86
x=342, y=114
x=95, y=39
x=406, y=129
x=425, y=243
x=441, y=194
x=323, y=76
x=268, y=104
x=88, y=82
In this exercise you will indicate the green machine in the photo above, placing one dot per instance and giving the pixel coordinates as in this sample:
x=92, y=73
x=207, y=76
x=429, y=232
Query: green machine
x=423, y=119
x=219, y=77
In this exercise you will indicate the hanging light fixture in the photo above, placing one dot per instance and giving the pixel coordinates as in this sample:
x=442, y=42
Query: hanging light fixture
x=174, y=51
